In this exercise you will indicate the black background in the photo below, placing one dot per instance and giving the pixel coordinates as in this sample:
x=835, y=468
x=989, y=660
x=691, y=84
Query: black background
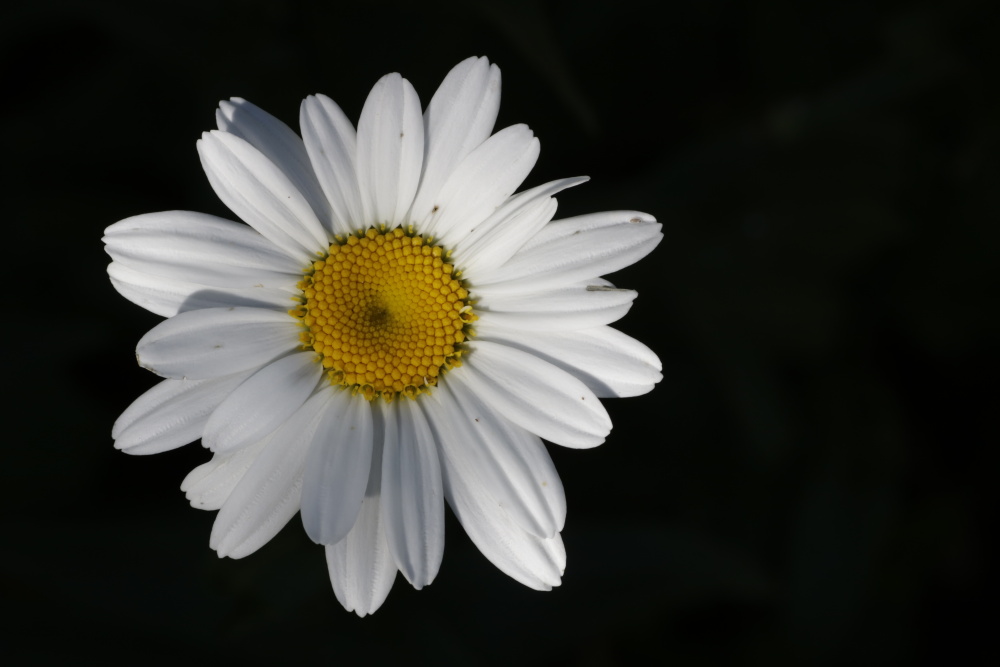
x=807, y=485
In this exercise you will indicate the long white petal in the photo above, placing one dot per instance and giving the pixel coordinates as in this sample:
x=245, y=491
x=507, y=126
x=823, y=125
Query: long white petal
x=262, y=403
x=337, y=468
x=569, y=258
x=171, y=414
x=533, y=561
x=558, y=309
x=214, y=342
x=459, y=117
x=199, y=248
x=168, y=296
x=496, y=239
x=267, y=496
x=261, y=195
x=390, y=150
x=482, y=181
x=332, y=144
x=536, y=395
x=566, y=227
x=361, y=566
x=279, y=144
x=208, y=486
x=412, y=497
x=510, y=465
x=611, y=363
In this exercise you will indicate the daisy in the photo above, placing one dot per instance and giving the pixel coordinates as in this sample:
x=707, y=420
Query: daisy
x=391, y=329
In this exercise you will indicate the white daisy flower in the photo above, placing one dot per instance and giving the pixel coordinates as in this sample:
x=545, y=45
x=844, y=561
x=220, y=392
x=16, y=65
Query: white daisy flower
x=391, y=329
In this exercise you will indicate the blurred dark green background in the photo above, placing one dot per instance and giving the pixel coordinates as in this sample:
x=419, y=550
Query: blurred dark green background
x=807, y=485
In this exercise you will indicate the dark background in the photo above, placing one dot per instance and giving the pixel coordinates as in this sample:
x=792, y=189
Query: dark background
x=807, y=485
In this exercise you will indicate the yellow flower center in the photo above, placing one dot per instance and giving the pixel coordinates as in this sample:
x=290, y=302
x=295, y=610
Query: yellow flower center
x=385, y=312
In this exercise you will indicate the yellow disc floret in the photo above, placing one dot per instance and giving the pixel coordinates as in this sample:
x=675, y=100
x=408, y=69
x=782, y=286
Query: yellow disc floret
x=385, y=312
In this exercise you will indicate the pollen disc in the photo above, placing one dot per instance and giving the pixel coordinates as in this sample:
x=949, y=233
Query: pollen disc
x=385, y=312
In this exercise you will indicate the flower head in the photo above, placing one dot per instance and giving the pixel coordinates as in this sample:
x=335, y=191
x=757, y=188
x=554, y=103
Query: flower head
x=391, y=329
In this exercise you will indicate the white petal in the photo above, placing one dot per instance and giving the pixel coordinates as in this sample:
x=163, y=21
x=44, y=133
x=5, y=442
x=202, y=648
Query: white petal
x=171, y=414
x=279, y=144
x=555, y=551
x=200, y=248
x=267, y=496
x=213, y=342
x=492, y=250
x=262, y=403
x=560, y=229
x=535, y=562
x=496, y=239
x=209, y=485
x=332, y=144
x=481, y=183
x=337, y=468
x=510, y=465
x=261, y=195
x=567, y=258
x=361, y=566
x=390, y=150
x=412, y=497
x=560, y=309
x=459, y=117
x=536, y=395
x=168, y=296
x=611, y=363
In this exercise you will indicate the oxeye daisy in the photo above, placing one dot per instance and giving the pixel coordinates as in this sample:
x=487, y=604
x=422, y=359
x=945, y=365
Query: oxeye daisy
x=391, y=329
